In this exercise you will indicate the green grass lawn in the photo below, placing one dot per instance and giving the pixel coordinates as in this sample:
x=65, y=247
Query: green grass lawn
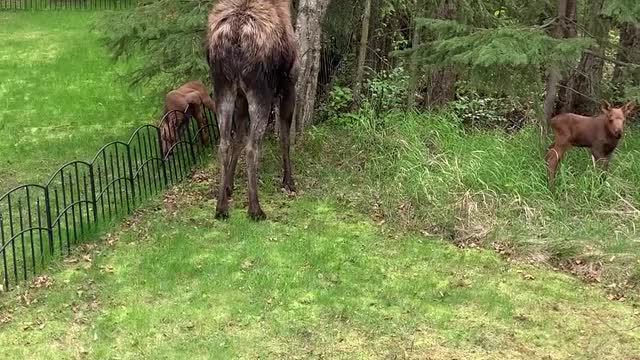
x=317, y=280
x=60, y=96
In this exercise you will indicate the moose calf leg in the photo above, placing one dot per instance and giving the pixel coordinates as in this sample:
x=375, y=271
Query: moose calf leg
x=601, y=161
x=203, y=127
x=553, y=156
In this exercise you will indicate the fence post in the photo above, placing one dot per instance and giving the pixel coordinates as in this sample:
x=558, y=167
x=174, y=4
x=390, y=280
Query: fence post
x=94, y=201
x=4, y=255
x=47, y=210
x=163, y=159
x=191, y=141
x=133, y=190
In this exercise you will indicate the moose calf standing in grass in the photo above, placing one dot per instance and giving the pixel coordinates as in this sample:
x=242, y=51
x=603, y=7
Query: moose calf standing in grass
x=600, y=133
x=179, y=106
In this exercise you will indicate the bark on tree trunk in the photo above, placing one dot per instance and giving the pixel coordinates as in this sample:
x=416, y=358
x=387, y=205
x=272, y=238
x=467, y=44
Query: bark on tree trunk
x=413, y=71
x=569, y=30
x=441, y=82
x=565, y=10
x=583, y=92
x=362, y=53
x=628, y=52
x=309, y=33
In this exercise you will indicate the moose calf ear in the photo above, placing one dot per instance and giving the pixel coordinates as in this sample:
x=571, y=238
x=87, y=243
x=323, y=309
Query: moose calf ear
x=629, y=107
x=605, y=106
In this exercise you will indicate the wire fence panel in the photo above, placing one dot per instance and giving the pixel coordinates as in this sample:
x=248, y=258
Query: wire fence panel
x=36, y=5
x=38, y=223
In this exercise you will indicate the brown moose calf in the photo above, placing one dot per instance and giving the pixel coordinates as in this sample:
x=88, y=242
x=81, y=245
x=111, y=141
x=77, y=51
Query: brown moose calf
x=179, y=106
x=600, y=134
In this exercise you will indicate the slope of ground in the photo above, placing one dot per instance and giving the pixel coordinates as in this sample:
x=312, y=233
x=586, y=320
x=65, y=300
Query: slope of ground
x=425, y=173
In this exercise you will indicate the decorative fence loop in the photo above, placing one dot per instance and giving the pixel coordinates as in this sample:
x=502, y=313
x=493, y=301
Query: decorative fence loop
x=36, y=5
x=40, y=222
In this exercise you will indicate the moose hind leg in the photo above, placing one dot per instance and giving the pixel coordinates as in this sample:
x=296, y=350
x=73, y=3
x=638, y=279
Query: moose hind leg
x=259, y=109
x=287, y=105
x=241, y=123
x=226, y=101
x=553, y=157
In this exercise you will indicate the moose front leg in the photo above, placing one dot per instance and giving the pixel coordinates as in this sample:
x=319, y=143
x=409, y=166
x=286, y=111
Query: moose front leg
x=203, y=126
x=601, y=161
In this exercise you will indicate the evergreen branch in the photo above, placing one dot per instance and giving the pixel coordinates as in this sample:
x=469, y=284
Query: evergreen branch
x=613, y=61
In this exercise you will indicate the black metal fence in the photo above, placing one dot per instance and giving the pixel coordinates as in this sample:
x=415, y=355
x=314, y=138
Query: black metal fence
x=40, y=222
x=66, y=4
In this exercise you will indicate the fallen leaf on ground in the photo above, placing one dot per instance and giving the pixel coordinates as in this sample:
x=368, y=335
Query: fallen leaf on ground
x=71, y=261
x=41, y=281
x=107, y=269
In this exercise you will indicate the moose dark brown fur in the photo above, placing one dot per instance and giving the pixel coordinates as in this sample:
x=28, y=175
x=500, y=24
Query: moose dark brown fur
x=252, y=55
x=179, y=106
x=600, y=134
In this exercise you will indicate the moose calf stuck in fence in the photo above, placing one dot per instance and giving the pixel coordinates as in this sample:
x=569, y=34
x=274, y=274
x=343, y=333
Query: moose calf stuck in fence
x=600, y=134
x=252, y=55
x=179, y=106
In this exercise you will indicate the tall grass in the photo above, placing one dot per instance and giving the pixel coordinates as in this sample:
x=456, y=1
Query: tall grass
x=424, y=172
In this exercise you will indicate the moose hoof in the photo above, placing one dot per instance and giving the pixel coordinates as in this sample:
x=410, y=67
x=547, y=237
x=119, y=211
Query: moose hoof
x=257, y=215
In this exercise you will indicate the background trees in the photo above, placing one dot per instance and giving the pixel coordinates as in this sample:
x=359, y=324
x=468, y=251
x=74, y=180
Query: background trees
x=379, y=55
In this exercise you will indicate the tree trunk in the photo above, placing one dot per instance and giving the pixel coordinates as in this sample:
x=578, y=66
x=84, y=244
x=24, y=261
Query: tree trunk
x=628, y=52
x=442, y=81
x=362, y=53
x=413, y=71
x=309, y=33
x=569, y=30
x=583, y=90
x=566, y=9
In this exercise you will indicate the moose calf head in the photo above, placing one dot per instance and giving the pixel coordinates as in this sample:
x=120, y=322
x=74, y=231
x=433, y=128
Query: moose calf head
x=615, y=118
x=180, y=106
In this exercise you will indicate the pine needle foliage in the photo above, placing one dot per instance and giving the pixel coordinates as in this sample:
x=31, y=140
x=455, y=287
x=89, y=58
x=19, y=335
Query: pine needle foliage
x=163, y=38
x=509, y=59
x=622, y=10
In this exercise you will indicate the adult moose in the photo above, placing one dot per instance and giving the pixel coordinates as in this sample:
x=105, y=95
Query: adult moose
x=600, y=133
x=252, y=55
x=179, y=106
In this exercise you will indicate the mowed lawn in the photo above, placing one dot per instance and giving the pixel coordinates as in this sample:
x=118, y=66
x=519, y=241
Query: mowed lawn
x=61, y=98
x=315, y=281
